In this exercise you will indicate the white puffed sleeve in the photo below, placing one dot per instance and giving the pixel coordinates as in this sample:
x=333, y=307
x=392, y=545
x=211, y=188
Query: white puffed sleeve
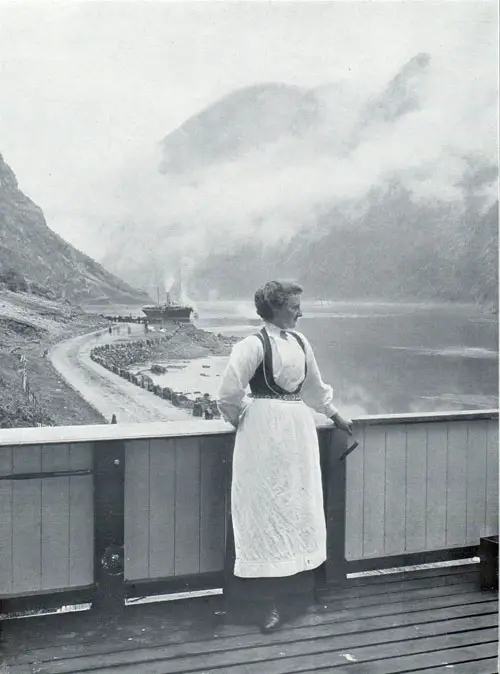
x=245, y=358
x=315, y=393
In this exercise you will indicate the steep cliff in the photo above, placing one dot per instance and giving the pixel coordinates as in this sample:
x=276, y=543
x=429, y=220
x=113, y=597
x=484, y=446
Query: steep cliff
x=28, y=247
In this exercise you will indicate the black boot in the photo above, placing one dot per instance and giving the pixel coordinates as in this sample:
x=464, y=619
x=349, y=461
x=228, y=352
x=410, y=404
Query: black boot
x=272, y=620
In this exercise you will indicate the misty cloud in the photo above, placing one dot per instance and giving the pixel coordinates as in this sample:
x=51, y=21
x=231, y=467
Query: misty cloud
x=271, y=193
x=84, y=102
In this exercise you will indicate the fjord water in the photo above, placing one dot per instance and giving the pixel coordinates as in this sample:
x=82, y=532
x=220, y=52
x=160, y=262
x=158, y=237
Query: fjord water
x=386, y=358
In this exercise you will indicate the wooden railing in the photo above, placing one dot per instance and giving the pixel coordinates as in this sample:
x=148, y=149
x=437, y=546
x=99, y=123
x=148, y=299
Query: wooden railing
x=97, y=513
x=46, y=517
x=418, y=484
x=176, y=500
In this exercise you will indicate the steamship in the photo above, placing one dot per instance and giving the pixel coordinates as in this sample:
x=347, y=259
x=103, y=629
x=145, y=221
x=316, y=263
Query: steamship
x=170, y=310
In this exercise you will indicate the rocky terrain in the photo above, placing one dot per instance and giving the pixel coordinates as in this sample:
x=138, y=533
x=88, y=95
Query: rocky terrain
x=29, y=326
x=43, y=282
x=178, y=341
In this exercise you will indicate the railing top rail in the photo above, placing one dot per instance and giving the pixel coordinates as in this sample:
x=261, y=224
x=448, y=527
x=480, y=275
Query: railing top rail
x=414, y=418
x=195, y=427
x=107, y=432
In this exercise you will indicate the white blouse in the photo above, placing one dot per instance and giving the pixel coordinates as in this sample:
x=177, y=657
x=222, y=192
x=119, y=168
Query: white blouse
x=288, y=371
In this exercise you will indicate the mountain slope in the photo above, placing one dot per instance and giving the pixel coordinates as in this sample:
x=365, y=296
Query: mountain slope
x=34, y=251
x=390, y=195
x=245, y=120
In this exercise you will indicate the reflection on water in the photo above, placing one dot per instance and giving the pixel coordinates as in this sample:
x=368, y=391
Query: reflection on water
x=391, y=358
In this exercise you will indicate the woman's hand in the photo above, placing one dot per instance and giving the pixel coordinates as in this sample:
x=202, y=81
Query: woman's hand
x=343, y=424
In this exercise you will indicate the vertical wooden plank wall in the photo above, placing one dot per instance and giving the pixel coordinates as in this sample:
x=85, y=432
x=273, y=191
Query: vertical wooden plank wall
x=355, y=496
x=491, y=499
x=136, y=509
x=162, y=482
x=476, y=477
x=46, y=525
x=187, y=506
x=214, y=457
x=456, y=484
x=6, y=549
x=174, y=506
x=81, y=516
x=422, y=486
x=395, y=490
x=26, y=521
x=374, y=495
x=55, y=519
x=437, y=460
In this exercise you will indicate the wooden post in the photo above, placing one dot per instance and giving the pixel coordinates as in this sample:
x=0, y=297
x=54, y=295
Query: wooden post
x=332, y=445
x=109, y=524
x=229, y=558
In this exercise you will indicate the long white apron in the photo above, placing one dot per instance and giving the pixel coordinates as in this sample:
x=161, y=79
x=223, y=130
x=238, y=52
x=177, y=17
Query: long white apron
x=276, y=495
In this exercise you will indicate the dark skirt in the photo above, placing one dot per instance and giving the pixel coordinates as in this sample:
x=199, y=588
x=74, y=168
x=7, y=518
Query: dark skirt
x=246, y=599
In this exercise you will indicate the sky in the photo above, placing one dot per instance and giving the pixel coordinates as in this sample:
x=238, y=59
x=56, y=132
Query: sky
x=87, y=88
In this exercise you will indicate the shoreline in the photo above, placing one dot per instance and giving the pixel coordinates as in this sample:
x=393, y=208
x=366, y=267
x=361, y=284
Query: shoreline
x=181, y=363
x=194, y=360
x=105, y=390
x=193, y=377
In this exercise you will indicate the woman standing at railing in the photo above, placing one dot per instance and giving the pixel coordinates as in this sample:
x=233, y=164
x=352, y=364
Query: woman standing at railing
x=276, y=492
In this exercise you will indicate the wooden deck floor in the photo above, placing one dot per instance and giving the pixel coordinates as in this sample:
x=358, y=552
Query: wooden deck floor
x=428, y=622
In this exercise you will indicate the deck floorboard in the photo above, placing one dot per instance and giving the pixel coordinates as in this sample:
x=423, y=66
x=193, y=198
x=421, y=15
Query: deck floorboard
x=390, y=624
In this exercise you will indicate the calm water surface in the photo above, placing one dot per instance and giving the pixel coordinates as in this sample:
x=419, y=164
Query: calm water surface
x=388, y=358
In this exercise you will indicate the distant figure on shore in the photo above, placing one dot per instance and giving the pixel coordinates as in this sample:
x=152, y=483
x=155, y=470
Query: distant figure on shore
x=110, y=330
x=206, y=408
x=113, y=419
x=278, y=532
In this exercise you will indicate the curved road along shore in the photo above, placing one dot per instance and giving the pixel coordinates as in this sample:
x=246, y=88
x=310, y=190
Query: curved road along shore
x=107, y=392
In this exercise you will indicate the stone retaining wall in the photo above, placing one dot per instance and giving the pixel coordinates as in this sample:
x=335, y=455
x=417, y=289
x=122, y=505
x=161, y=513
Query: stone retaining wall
x=117, y=357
